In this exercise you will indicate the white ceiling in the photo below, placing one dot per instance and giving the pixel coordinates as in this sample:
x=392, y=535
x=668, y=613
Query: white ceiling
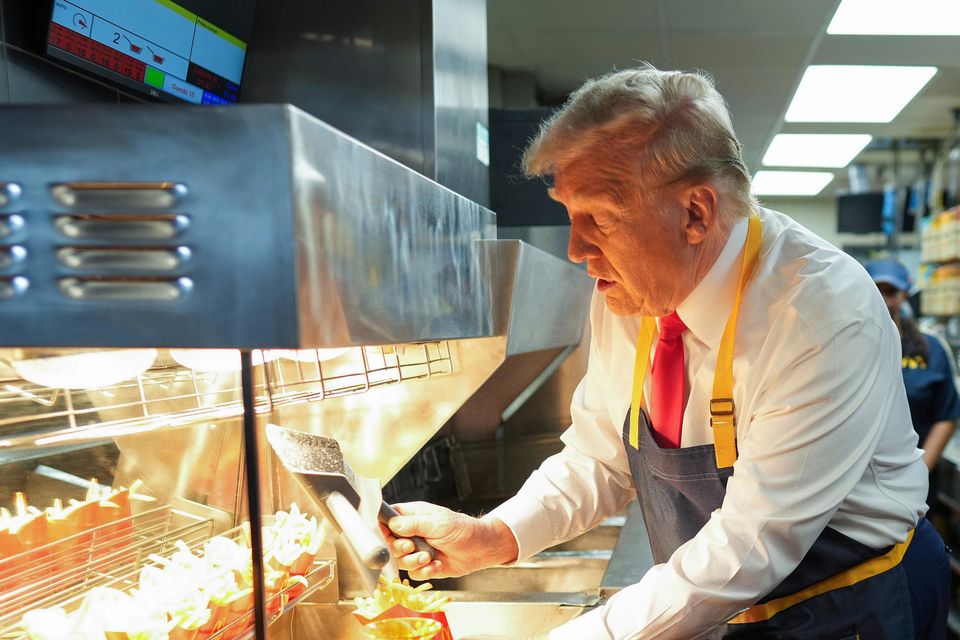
x=756, y=50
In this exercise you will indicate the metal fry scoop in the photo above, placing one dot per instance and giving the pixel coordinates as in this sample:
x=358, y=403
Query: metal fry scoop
x=316, y=461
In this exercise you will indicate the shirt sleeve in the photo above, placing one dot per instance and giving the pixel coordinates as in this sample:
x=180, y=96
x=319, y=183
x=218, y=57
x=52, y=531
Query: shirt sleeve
x=588, y=481
x=808, y=442
x=948, y=402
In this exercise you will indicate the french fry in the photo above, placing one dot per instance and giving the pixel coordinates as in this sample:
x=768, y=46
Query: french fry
x=391, y=593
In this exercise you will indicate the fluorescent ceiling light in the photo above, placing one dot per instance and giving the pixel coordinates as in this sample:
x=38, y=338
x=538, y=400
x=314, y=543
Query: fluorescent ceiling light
x=790, y=183
x=897, y=18
x=855, y=93
x=815, y=149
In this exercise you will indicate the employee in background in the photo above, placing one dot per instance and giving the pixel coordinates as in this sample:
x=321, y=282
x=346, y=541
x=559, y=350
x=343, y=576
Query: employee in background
x=928, y=370
x=743, y=381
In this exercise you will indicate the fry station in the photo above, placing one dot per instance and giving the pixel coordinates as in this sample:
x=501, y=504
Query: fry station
x=136, y=397
x=478, y=320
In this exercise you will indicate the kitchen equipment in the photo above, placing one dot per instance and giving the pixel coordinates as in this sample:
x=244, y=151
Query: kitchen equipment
x=318, y=462
x=248, y=228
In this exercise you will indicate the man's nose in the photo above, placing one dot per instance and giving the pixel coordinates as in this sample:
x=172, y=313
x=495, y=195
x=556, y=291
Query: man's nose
x=579, y=248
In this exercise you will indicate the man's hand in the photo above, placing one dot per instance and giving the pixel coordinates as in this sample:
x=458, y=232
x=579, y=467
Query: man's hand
x=464, y=544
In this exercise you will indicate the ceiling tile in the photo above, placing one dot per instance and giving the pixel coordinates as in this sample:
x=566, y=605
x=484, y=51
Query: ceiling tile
x=746, y=16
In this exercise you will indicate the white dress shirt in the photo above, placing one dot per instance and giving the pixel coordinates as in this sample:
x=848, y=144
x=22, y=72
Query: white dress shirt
x=823, y=430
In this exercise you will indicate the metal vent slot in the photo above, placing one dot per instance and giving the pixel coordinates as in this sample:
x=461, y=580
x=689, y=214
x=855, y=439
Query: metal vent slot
x=12, y=287
x=112, y=195
x=10, y=224
x=128, y=288
x=121, y=226
x=9, y=191
x=12, y=255
x=147, y=258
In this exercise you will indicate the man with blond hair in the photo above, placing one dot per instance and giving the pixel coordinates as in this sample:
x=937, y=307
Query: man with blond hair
x=743, y=382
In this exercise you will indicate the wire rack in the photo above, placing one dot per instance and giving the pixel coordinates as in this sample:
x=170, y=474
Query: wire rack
x=170, y=394
x=111, y=555
x=59, y=574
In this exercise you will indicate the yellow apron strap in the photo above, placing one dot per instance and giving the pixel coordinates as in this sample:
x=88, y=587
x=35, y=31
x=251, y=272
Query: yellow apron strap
x=850, y=577
x=647, y=328
x=722, y=410
x=722, y=418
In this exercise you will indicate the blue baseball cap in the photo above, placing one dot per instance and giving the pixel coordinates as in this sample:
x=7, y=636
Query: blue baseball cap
x=890, y=271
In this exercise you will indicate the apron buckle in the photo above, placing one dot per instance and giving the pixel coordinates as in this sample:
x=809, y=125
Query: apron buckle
x=724, y=426
x=721, y=407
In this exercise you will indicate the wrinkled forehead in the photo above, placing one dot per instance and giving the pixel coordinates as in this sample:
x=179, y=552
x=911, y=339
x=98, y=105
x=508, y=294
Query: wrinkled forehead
x=570, y=194
x=598, y=180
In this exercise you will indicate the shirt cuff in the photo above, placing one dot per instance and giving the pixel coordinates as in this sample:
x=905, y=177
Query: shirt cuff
x=529, y=521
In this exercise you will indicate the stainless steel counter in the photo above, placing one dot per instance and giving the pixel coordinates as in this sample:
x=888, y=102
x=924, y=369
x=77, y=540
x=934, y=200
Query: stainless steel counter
x=631, y=557
x=471, y=615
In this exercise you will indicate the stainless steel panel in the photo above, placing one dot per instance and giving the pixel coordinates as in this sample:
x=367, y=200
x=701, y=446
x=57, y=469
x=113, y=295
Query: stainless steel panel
x=604, y=536
x=474, y=615
x=531, y=318
x=407, y=77
x=206, y=148
x=460, y=96
x=632, y=556
x=359, y=65
x=300, y=235
x=200, y=464
x=381, y=251
x=561, y=572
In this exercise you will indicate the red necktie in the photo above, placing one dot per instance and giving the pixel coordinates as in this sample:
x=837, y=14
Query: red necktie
x=666, y=380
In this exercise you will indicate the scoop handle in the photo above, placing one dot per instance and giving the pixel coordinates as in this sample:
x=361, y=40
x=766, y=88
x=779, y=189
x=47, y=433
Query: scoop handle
x=387, y=512
x=365, y=542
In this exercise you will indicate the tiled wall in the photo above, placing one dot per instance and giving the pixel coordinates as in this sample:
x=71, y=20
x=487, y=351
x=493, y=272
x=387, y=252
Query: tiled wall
x=29, y=77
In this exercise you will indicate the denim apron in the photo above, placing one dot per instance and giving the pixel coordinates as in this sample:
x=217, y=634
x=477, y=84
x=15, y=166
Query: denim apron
x=842, y=589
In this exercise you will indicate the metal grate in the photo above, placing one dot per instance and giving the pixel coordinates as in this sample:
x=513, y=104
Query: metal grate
x=111, y=555
x=170, y=394
x=61, y=573
x=355, y=372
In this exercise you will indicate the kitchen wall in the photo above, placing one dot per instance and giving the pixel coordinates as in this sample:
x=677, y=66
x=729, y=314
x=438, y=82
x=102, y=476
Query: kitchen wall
x=820, y=216
x=817, y=214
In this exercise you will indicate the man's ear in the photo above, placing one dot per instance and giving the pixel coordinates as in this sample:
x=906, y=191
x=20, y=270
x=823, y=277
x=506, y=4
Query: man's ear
x=702, y=205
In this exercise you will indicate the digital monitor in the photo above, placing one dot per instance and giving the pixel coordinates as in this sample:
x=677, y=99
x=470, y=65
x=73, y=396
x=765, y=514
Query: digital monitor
x=860, y=212
x=191, y=50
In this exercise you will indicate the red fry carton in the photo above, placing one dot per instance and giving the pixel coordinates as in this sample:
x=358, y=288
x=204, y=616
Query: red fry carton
x=400, y=611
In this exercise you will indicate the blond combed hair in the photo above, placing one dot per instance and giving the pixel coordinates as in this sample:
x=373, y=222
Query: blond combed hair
x=647, y=128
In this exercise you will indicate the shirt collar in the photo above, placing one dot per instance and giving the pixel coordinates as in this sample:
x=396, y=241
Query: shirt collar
x=706, y=309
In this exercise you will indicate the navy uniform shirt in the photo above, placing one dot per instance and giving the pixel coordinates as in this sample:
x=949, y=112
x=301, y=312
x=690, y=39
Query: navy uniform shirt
x=931, y=391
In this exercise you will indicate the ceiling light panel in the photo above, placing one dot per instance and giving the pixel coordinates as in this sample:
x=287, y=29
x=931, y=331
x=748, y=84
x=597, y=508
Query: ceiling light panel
x=855, y=93
x=790, y=183
x=814, y=149
x=897, y=18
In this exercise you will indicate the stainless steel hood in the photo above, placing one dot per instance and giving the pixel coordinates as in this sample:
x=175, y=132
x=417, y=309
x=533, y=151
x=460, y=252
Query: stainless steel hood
x=254, y=226
x=262, y=227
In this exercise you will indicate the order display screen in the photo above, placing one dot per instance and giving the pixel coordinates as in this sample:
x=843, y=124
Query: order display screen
x=192, y=50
